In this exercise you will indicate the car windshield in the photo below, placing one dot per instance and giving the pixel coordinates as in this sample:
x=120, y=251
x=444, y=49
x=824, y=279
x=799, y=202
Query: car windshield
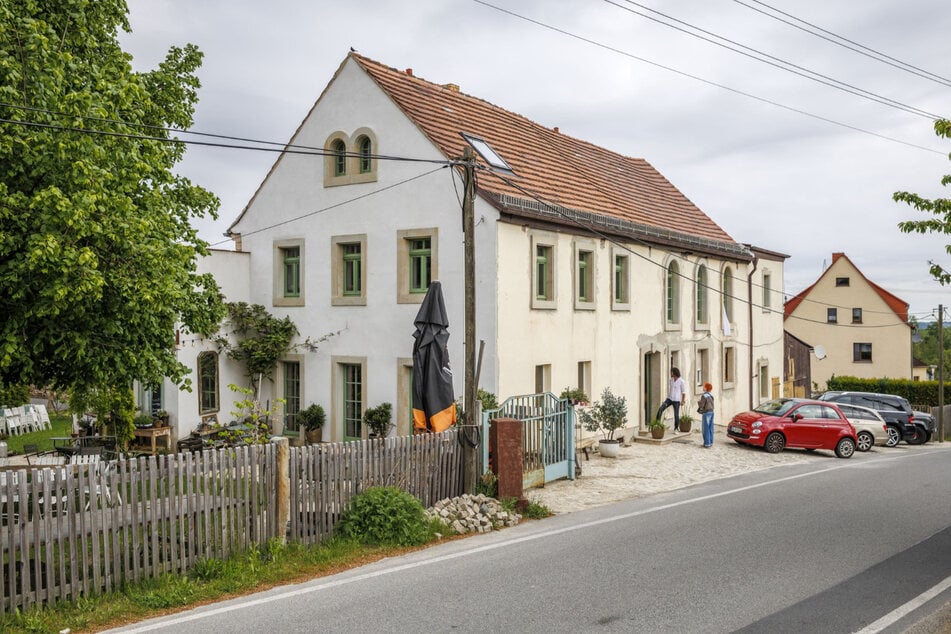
x=776, y=407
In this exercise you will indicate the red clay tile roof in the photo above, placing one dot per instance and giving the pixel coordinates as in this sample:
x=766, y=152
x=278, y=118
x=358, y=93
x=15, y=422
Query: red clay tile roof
x=895, y=303
x=554, y=167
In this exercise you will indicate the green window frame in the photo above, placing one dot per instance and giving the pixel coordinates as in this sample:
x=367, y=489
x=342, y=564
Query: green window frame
x=340, y=157
x=291, y=259
x=585, y=291
x=620, y=279
x=726, y=298
x=208, y=383
x=292, y=387
x=702, y=295
x=673, y=293
x=420, y=264
x=352, y=265
x=366, y=155
x=543, y=272
x=352, y=400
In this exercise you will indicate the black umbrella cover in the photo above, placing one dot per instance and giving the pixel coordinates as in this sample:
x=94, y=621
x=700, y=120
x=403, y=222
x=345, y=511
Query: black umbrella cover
x=434, y=408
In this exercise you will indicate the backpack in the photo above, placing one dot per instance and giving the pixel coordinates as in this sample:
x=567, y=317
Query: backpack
x=706, y=403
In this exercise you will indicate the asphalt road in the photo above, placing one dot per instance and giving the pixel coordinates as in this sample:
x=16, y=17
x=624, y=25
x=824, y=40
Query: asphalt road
x=828, y=546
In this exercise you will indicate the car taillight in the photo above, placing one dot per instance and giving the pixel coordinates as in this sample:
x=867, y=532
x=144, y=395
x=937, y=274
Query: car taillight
x=911, y=418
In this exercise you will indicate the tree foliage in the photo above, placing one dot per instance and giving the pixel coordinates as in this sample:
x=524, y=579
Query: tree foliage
x=261, y=339
x=97, y=249
x=939, y=208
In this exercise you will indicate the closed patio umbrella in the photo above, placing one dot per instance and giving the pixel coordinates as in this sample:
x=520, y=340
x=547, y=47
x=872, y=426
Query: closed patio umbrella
x=434, y=408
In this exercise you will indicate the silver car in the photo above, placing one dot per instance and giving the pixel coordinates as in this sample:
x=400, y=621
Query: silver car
x=870, y=427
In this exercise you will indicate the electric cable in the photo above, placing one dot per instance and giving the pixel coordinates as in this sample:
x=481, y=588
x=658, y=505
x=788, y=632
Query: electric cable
x=777, y=62
x=861, y=49
x=707, y=81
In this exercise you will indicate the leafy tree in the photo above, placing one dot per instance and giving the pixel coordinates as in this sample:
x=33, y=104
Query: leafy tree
x=927, y=349
x=97, y=249
x=262, y=340
x=940, y=208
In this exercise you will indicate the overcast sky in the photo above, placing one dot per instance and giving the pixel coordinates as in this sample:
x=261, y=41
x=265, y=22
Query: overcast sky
x=767, y=173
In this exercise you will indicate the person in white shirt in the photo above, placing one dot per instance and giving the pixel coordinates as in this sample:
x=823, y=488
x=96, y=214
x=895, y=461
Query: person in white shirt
x=676, y=396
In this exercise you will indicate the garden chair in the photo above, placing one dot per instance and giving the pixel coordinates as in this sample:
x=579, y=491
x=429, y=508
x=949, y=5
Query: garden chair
x=12, y=420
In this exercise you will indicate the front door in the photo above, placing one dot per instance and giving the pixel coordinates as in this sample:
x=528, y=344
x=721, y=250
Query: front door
x=652, y=386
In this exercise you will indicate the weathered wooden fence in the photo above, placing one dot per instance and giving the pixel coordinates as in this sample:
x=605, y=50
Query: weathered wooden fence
x=71, y=531
x=428, y=466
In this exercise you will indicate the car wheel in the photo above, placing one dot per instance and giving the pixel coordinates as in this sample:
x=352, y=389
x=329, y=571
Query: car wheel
x=774, y=442
x=865, y=441
x=894, y=436
x=845, y=448
x=918, y=439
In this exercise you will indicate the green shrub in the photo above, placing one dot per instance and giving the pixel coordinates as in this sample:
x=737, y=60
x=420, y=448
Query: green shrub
x=386, y=516
x=488, y=485
x=917, y=392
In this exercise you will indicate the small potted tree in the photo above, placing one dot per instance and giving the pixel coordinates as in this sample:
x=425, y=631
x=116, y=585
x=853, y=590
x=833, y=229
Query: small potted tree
x=658, y=428
x=606, y=417
x=377, y=420
x=311, y=419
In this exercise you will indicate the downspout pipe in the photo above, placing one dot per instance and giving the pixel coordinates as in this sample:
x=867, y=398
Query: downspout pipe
x=749, y=289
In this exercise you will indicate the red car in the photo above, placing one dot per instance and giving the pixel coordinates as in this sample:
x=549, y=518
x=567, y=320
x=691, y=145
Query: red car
x=795, y=422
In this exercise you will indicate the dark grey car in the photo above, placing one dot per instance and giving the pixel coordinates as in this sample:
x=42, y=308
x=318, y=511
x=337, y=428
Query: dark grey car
x=894, y=409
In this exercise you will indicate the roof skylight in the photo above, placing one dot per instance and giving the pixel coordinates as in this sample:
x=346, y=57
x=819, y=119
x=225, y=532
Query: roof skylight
x=485, y=150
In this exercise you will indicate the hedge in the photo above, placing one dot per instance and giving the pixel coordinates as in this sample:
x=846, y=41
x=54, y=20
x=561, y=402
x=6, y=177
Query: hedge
x=917, y=392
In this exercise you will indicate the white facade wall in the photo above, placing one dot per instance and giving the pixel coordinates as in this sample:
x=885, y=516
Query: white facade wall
x=379, y=333
x=630, y=349
x=232, y=272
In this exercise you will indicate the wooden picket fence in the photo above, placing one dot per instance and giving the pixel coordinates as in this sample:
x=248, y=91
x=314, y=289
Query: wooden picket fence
x=428, y=466
x=81, y=530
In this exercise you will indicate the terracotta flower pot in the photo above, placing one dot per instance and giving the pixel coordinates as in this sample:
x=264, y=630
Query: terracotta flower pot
x=313, y=435
x=657, y=432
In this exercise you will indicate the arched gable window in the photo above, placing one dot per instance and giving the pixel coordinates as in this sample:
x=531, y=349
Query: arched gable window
x=365, y=148
x=673, y=293
x=726, y=298
x=339, y=149
x=702, y=303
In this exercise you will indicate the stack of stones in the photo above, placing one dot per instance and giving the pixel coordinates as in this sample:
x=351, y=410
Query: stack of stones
x=473, y=514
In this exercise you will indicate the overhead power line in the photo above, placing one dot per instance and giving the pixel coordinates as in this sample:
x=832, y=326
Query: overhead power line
x=845, y=42
x=773, y=61
x=279, y=148
x=706, y=81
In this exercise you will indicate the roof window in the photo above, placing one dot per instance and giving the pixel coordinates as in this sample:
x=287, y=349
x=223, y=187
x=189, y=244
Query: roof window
x=485, y=150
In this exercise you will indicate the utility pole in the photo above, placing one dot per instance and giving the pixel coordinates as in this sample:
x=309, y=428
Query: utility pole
x=470, y=461
x=940, y=372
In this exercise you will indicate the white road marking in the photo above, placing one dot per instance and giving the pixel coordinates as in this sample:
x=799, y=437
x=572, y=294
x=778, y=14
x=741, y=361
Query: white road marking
x=310, y=589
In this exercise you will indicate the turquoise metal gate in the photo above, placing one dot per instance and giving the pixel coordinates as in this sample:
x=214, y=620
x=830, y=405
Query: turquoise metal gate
x=548, y=425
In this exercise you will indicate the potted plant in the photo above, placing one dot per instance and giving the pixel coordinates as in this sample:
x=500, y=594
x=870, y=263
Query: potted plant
x=657, y=428
x=606, y=416
x=377, y=420
x=686, y=422
x=161, y=418
x=143, y=421
x=311, y=419
x=575, y=396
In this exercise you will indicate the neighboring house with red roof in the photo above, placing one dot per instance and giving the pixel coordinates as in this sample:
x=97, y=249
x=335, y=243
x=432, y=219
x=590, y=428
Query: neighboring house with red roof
x=856, y=327
x=593, y=270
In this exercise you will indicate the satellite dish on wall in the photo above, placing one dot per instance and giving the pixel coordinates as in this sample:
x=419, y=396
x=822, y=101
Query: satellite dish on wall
x=820, y=351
